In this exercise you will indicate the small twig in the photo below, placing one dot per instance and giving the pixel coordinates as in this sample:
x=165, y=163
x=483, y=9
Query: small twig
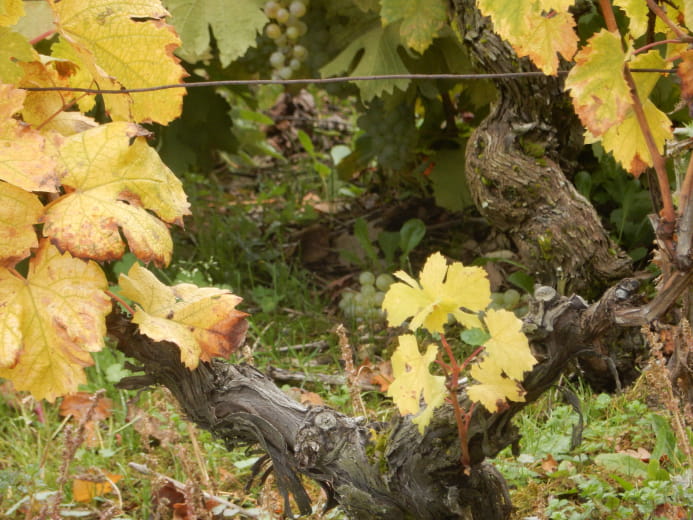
x=125, y=304
x=663, y=16
x=141, y=468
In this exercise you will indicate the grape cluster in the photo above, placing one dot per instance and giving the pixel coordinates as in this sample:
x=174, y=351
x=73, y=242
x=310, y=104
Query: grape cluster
x=285, y=28
x=392, y=132
x=365, y=303
x=510, y=300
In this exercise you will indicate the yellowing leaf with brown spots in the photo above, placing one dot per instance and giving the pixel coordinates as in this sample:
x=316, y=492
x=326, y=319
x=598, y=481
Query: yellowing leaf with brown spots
x=539, y=29
x=202, y=321
x=625, y=140
x=600, y=94
x=50, y=322
x=27, y=160
x=125, y=44
x=413, y=381
x=19, y=212
x=113, y=180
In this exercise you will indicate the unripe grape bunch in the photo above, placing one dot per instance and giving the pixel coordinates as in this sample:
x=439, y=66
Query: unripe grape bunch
x=284, y=29
x=510, y=300
x=365, y=304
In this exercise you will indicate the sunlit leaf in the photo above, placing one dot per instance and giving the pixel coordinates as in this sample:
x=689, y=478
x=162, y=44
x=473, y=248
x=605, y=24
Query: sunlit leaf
x=421, y=20
x=10, y=11
x=413, y=381
x=19, y=212
x=493, y=387
x=441, y=291
x=508, y=345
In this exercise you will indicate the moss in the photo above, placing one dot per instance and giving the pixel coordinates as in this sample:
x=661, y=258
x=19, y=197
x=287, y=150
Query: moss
x=533, y=148
x=545, y=246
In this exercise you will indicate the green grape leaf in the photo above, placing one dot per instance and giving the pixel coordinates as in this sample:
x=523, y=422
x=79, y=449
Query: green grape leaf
x=412, y=381
x=540, y=29
x=637, y=11
x=449, y=182
x=234, y=26
x=379, y=56
x=421, y=20
x=600, y=94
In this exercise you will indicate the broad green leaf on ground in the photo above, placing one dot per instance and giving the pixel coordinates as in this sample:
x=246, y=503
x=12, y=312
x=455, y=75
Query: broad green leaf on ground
x=539, y=29
x=493, y=387
x=421, y=20
x=412, y=381
x=449, y=182
x=27, y=159
x=234, y=25
x=113, y=178
x=10, y=12
x=625, y=141
x=600, y=94
x=441, y=290
x=377, y=49
x=508, y=346
x=19, y=212
x=47, y=110
x=202, y=321
x=51, y=321
x=13, y=48
x=125, y=44
x=637, y=12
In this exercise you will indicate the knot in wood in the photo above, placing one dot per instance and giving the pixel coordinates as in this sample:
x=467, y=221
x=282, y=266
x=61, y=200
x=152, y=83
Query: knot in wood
x=325, y=420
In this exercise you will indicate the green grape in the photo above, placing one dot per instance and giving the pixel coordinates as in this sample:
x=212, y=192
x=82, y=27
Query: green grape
x=378, y=298
x=295, y=64
x=282, y=15
x=384, y=281
x=285, y=73
x=366, y=278
x=498, y=298
x=297, y=8
x=368, y=291
x=271, y=9
x=511, y=298
x=300, y=52
x=277, y=59
x=521, y=311
x=302, y=28
x=292, y=32
x=272, y=30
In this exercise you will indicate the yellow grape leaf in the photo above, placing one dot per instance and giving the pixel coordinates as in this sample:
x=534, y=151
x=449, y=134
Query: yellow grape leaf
x=13, y=48
x=637, y=12
x=412, y=380
x=539, y=29
x=10, y=12
x=508, y=345
x=600, y=94
x=19, y=211
x=687, y=13
x=113, y=177
x=202, y=321
x=47, y=109
x=85, y=490
x=125, y=44
x=51, y=321
x=441, y=291
x=625, y=141
x=493, y=386
x=27, y=160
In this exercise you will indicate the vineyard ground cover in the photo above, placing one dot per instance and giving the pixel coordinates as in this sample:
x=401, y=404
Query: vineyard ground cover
x=294, y=302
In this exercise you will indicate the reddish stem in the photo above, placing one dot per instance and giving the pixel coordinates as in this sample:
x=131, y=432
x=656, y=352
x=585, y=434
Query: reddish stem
x=654, y=44
x=125, y=304
x=608, y=14
x=43, y=36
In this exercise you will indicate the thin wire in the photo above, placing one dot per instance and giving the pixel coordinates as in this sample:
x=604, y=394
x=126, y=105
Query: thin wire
x=318, y=81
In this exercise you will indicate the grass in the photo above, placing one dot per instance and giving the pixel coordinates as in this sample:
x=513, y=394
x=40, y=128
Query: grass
x=242, y=246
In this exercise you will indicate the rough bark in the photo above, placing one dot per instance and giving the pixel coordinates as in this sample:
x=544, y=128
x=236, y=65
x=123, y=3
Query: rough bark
x=517, y=160
x=396, y=473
